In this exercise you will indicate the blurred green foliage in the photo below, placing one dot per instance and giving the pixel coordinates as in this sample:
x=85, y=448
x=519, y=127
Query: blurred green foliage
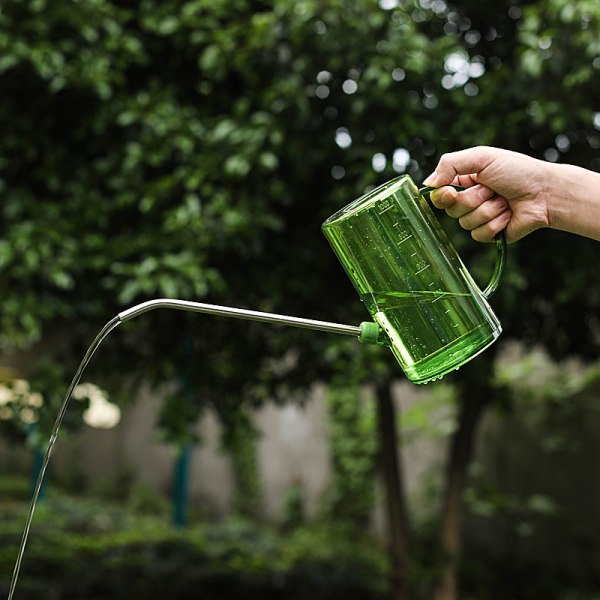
x=353, y=449
x=532, y=488
x=192, y=149
x=82, y=549
x=239, y=441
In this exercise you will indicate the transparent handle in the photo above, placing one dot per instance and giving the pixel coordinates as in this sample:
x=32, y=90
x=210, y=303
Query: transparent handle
x=500, y=240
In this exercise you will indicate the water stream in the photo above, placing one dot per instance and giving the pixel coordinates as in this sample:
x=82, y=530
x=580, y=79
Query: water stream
x=112, y=324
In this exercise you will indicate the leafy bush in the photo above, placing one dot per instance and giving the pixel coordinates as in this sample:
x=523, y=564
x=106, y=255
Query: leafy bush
x=81, y=550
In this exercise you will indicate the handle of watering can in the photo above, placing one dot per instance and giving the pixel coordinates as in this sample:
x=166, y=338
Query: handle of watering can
x=500, y=240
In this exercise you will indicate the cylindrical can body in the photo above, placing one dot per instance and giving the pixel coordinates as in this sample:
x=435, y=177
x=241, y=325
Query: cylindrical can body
x=411, y=280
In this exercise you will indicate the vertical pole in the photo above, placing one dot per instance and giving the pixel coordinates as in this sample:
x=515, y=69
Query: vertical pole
x=181, y=485
x=181, y=469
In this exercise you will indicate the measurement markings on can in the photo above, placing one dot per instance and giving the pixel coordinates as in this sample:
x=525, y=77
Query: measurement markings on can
x=384, y=205
x=402, y=235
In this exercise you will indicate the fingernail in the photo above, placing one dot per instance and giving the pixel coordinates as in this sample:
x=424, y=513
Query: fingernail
x=430, y=180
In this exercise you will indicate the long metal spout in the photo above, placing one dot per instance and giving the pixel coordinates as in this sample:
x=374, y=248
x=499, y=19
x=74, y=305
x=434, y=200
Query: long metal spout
x=240, y=313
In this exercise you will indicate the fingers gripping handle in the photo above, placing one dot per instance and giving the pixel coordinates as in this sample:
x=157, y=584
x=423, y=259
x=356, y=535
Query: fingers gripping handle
x=500, y=240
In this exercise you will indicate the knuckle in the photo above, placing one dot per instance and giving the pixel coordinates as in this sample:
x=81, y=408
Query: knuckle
x=493, y=209
x=471, y=198
x=484, y=192
x=445, y=160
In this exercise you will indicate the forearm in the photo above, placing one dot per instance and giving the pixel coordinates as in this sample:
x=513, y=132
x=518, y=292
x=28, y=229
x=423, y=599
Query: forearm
x=573, y=200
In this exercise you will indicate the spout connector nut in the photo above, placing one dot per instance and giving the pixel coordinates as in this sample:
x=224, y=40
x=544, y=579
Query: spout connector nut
x=370, y=333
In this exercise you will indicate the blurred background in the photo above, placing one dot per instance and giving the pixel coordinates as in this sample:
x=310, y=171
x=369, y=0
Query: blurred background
x=192, y=149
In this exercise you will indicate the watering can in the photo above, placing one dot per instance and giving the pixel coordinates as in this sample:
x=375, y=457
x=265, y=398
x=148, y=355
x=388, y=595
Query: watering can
x=412, y=281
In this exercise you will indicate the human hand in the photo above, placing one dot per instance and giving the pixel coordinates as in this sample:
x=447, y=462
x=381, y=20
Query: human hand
x=505, y=190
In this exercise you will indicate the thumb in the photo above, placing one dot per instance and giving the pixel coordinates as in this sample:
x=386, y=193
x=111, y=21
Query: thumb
x=463, y=162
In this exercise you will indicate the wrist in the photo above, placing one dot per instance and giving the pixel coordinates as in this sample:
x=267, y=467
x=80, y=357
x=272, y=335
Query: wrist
x=570, y=199
x=555, y=189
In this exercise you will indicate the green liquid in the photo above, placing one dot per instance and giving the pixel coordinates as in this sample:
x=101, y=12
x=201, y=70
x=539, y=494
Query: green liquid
x=431, y=332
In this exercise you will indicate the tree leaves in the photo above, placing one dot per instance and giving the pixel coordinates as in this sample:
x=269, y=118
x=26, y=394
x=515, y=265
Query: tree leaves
x=190, y=149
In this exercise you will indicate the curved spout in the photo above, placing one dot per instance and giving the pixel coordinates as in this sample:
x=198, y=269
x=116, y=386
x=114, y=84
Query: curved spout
x=238, y=313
